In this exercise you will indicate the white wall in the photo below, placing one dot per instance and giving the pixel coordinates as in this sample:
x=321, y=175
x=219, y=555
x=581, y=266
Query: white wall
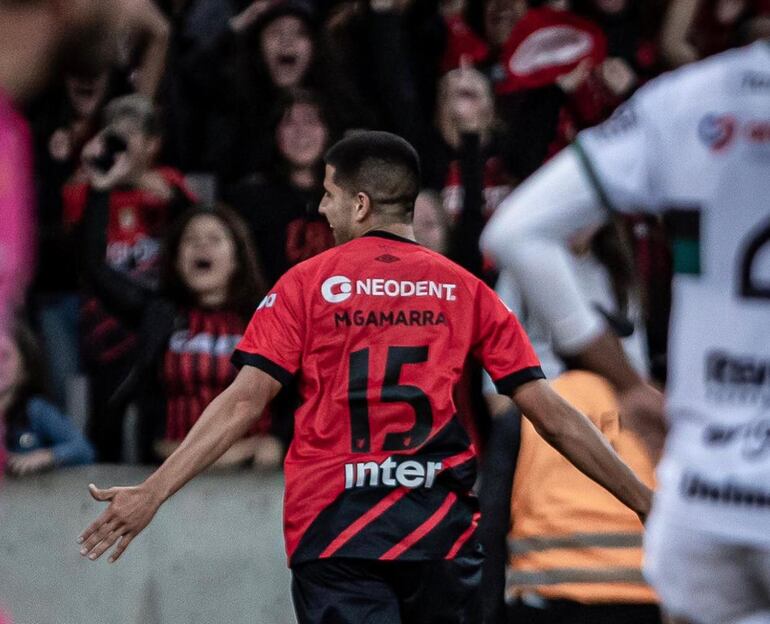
x=213, y=554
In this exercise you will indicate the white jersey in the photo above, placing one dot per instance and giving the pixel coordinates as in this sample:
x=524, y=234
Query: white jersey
x=694, y=146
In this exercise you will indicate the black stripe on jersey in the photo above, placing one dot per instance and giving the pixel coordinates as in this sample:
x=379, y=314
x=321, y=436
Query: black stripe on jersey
x=683, y=224
x=279, y=373
x=390, y=236
x=448, y=531
x=509, y=383
x=350, y=505
x=593, y=178
x=461, y=478
x=407, y=515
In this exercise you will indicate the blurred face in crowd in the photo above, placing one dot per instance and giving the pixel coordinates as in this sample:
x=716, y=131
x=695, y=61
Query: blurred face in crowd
x=11, y=366
x=430, y=227
x=207, y=259
x=87, y=29
x=302, y=135
x=500, y=16
x=337, y=206
x=85, y=94
x=287, y=50
x=141, y=148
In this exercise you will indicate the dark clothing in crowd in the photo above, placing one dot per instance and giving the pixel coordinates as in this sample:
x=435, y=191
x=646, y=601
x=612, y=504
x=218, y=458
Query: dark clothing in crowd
x=284, y=221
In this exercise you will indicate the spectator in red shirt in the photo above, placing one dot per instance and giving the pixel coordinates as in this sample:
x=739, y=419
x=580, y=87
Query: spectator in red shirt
x=140, y=209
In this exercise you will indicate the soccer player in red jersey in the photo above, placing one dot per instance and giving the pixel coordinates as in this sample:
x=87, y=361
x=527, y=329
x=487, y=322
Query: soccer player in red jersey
x=379, y=516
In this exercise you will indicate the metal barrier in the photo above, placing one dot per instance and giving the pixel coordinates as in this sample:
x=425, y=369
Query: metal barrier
x=213, y=554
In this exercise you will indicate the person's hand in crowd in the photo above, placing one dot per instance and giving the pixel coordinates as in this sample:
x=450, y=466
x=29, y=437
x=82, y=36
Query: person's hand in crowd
x=642, y=411
x=130, y=510
x=143, y=22
x=102, y=174
x=341, y=15
x=60, y=145
x=571, y=81
x=466, y=103
x=246, y=18
x=22, y=464
x=675, y=45
x=617, y=74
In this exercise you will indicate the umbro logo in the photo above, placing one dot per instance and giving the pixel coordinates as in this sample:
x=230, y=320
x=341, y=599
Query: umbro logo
x=387, y=258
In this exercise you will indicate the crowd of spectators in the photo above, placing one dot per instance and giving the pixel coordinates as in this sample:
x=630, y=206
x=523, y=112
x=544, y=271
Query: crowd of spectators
x=173, y=189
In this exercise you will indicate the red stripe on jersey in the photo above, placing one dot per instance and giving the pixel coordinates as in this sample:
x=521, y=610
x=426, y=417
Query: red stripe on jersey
x=380, y=508
x=422, y=530
x=466, y=535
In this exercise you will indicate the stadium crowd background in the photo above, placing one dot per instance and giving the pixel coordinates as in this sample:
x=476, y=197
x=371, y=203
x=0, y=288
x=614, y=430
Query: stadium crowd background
x=231, y=104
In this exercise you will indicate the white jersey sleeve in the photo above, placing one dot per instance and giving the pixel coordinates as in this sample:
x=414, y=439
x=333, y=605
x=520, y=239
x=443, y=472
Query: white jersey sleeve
x=529, y=236
x=624, y=155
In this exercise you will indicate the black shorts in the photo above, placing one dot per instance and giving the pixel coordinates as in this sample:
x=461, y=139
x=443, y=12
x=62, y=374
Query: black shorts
x=360, y=591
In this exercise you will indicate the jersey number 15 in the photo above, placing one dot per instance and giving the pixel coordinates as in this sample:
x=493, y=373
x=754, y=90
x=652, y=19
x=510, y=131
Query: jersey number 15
x=392, y=392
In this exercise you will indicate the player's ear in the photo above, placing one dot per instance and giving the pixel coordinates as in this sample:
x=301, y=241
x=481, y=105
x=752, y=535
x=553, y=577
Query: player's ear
x=363, y=207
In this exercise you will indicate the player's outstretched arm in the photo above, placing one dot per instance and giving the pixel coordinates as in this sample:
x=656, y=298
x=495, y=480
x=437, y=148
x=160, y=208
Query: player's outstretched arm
x=226, y=420
x=576, y=437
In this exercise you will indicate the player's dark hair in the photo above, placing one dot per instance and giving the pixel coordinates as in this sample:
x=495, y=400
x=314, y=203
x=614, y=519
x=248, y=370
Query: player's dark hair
x=247, y=285
x=380, y=164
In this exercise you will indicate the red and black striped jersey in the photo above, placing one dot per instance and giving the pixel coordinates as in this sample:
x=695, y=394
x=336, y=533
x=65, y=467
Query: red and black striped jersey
x=377, y=331
x=196, y=366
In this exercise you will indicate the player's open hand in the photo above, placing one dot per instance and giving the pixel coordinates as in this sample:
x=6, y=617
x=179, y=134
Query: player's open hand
x=130, y=510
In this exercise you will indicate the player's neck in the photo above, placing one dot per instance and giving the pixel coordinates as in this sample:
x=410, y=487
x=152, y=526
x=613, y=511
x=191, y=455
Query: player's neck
x=404, y=230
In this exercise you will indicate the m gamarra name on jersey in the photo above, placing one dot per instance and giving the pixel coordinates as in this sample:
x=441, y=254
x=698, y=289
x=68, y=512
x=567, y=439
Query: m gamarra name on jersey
x=377, y=331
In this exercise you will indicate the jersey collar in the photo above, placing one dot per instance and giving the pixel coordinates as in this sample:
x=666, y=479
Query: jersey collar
x=389, y=236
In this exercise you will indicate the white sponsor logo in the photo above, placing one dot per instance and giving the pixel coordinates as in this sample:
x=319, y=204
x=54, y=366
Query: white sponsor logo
x=552, y=45
x=182, y=342
x=410, y=474
x=336, y=289
x=340, y=288
x=268, y=302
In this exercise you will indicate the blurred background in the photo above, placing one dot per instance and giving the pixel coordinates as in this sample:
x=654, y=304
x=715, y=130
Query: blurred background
x=176, y=166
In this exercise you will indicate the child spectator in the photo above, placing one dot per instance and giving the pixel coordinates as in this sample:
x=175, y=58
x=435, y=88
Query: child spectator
x=38, y=436
x=140, y=209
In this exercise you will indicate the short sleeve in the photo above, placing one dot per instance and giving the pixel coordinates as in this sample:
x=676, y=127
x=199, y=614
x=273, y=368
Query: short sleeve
x=501, y=345
x=274, y=337
x=622, y=155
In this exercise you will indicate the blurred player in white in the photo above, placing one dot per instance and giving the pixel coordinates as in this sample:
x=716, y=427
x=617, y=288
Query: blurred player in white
x=694, y=146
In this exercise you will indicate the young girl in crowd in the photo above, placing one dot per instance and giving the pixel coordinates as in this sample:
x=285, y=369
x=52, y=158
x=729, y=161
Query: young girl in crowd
x=210, y=286
x=38, y=436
